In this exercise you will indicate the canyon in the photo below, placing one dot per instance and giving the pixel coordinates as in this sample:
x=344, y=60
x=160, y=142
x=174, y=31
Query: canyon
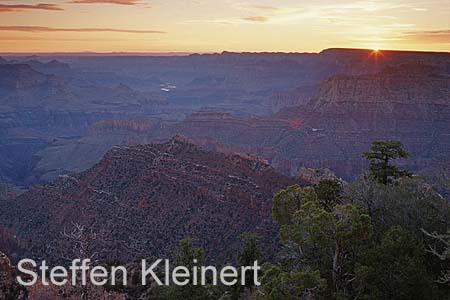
x=293, y=110
x=139, y=152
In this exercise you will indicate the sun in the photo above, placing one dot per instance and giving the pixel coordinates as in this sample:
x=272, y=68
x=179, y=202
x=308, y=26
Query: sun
x=375, y=53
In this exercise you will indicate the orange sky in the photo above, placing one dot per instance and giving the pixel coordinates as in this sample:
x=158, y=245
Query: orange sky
x=211, y=26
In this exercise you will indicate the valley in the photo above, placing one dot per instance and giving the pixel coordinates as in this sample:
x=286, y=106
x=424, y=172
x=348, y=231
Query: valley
x=293, y=110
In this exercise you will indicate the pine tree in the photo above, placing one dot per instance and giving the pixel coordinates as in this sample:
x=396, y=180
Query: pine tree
x=381, y=155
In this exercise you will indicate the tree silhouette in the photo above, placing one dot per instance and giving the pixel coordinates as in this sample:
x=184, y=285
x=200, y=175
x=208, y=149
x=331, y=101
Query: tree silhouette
x=381, y=155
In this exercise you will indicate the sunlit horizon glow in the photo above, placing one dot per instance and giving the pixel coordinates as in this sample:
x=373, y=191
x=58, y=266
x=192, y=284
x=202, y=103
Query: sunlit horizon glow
x=146, y=26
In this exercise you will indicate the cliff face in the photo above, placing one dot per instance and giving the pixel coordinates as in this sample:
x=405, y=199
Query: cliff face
x=118, y=125
x=409, y=102
x=404, y=85
x=363, y=62
x=404, y=100
x=241, y=131
x=299, y=96
x=143, y=199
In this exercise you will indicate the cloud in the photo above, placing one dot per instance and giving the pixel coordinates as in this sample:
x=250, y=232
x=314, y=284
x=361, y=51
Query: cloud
x=53, y=39
x=429, y=36
x=264, y=7
x=24, y=7
x=211, y=21
x=53, y=29
x=409, y=37
x=121, y=2
x=260, y=19
x=252, y=7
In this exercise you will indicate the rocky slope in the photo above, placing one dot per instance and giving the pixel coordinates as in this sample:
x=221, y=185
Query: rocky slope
x=22, y=87
x=143, y=199
x=53, y=67
x=64, y=156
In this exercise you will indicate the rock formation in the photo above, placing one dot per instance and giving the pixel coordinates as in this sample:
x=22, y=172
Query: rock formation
x=143, y=199
x=297, y=97
x=314, y=176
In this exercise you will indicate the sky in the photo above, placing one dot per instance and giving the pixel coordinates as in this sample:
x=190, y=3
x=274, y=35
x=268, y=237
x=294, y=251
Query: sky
x=222, y=25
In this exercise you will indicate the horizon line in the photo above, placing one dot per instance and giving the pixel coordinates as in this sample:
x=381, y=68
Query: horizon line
x=184, y=53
